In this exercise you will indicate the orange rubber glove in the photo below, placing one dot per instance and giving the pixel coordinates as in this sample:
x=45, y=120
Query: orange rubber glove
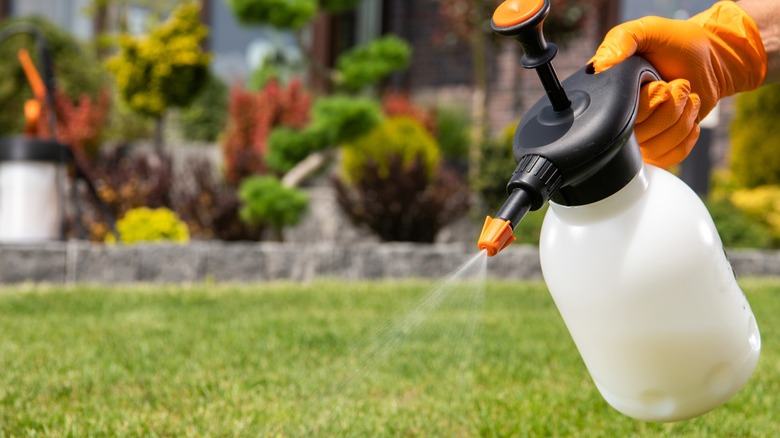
x=710, y=56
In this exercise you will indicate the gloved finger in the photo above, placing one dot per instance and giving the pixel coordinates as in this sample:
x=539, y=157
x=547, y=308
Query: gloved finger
x=675, y=134
x=655, y=94
x=673, y=155
x=673, y=144
x=620, y=43
x=662, y=104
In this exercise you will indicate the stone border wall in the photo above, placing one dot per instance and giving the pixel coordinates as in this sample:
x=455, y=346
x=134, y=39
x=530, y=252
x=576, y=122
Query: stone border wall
x=82, y=262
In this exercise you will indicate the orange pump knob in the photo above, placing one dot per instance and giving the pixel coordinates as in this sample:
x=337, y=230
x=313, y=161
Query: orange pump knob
x=496, y=235
x=514, y=12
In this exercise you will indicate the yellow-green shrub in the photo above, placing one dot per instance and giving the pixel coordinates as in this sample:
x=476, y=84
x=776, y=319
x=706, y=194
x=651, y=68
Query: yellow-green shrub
x=755, y=160
x=401, y=137
x=165, y=68
x=761, y=203
x=150, y=225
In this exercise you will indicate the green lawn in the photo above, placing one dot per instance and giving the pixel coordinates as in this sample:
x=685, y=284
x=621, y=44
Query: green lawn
x=325, y=359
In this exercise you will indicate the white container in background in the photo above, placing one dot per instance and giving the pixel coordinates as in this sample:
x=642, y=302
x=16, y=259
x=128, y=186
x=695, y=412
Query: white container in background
x=643, y=284
x=31, y=190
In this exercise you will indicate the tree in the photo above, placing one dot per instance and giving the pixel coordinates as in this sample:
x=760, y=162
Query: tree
x=166, y=68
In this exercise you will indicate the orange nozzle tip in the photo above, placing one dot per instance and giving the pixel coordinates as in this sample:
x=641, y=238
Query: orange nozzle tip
x=496, y=235
x=514, y=12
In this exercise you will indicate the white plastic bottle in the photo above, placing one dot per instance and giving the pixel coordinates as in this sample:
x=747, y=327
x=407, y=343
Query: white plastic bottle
x=643, y=284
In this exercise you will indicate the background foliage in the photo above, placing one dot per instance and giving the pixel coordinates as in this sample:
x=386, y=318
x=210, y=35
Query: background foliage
x=755, y=160
x=78, y=73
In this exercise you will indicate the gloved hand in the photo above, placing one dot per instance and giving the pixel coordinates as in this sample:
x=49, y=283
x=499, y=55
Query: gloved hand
x=710, y=56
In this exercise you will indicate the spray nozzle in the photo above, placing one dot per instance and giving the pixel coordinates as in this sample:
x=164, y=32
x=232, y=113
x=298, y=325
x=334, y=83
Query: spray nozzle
x=498, y=232
x=532, y=184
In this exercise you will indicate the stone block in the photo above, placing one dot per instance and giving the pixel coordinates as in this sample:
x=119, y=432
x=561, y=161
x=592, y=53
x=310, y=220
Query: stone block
x=172, y=263
x=237, y=262
x=35, y=262
x=95, y=263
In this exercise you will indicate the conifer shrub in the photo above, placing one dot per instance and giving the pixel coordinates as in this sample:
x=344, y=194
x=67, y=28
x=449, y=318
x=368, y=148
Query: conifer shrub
x=335, y=119
x=402, y=201
x=167, y=67
x=344, y=118
x=393, y=182
x=293, y=14
x=265, y=201
x=396, y=138
x=371, y=62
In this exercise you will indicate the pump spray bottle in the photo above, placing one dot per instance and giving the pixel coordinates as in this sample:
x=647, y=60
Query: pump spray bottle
x=629, y=253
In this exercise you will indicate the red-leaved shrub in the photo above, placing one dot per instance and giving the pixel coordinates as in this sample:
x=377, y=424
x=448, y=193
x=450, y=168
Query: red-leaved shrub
x=252, y=116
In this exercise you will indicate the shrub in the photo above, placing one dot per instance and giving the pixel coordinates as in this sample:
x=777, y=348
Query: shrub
x=334, y=120
x=126, y=125
x=124, y=180
x=166, y=68
x=400, y=137
x=396, y=104
x=209, y=207
x=402, y=201
x=287, y=146
x=78, y=73
x=267, y=202
x=761, y=204
x=205, y=118
x=251, y=117
x=344, y=118
x=81, y=124
x=453, y=132
x=293, y=14
x=754, y=132
x=373, y=61
x=496, y=165
x=150, y=225
x=737, y=229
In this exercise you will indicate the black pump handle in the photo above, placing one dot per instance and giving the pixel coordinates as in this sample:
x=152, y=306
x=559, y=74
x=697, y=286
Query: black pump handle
x=523, y=21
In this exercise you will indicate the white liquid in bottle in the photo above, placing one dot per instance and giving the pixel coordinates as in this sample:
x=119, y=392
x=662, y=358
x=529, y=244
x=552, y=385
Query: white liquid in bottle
x=644, y=287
